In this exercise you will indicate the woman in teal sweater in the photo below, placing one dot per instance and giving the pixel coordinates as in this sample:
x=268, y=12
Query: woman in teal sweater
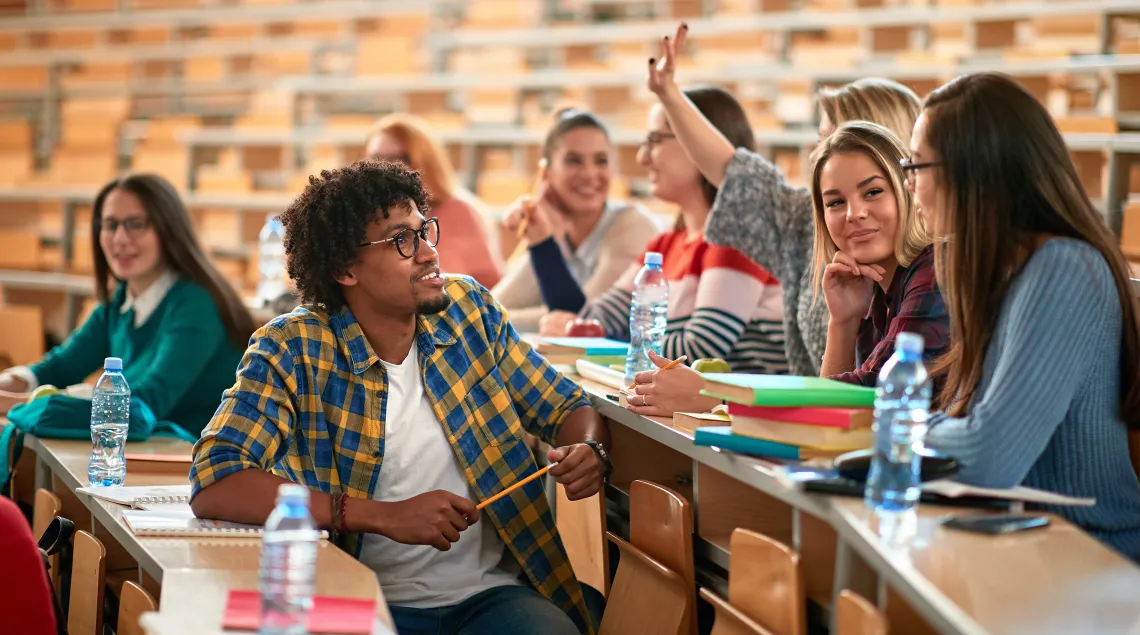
x=179, y=328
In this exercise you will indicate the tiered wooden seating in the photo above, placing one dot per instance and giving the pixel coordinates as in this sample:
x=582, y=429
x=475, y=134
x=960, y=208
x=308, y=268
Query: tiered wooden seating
x=160, y=151
x=16, y=151
x=87, y=151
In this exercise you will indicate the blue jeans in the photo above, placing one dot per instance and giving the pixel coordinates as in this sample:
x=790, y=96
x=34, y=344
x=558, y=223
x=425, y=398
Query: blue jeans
x=505, y=610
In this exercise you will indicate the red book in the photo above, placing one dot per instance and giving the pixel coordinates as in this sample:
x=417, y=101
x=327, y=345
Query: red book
x=347, y=616
x=846, y=418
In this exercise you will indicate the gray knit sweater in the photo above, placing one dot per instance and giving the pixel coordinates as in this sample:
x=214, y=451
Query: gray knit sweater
x=757, y=212
x=1046, y=411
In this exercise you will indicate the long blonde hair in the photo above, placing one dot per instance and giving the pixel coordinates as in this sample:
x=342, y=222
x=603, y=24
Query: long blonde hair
x=886, y=151
x=424, y=153
x=883, y=101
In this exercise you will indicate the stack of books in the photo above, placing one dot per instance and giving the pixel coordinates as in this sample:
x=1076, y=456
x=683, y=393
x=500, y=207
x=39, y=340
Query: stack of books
x=785, y=417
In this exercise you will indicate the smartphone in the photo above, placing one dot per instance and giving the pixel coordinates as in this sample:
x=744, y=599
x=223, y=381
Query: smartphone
x=995, y=525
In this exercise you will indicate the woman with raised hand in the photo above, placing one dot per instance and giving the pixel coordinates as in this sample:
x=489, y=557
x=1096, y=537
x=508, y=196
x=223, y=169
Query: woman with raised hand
x=1044, y=367
x=756, y=211
x=466, y=247
x=721, y=304
x=575, y=233
x=178, y=326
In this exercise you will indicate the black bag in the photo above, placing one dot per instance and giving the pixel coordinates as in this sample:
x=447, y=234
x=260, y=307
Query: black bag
x=57, y=540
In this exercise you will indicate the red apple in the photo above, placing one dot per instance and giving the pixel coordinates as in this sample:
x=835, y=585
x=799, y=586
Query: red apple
x=585, y=328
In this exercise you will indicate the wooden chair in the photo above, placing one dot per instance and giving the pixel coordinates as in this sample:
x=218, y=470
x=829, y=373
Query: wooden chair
x=133, y=602
x=652, y=591
x=22, y=338
x=765, y=583
x=729, y=619
x=47, y=506
x=582, y=526
x=88, y=569
x=856, y=616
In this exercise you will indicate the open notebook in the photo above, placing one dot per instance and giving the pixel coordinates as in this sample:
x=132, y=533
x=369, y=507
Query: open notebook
x=172, y=524
x=147, y=497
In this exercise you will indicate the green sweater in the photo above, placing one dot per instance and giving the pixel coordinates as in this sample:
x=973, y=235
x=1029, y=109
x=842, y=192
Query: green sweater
x=178, y=362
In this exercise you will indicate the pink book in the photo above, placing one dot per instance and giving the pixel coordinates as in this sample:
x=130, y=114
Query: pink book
x=347, y=616
x=846, y=418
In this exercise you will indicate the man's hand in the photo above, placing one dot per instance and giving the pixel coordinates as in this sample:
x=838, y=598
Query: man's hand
x=433, y=518
x=579, y=470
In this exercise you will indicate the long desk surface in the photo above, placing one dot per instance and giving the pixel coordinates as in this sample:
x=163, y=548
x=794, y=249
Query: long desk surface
x=195, y=573
x=1055, y=580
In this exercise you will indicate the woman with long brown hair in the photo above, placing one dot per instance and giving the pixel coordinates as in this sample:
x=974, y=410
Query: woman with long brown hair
x=1042, y=381
x=178, y=326
x=466, y=245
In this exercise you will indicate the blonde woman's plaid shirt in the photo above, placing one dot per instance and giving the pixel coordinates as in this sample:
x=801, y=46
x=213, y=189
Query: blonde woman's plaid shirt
x=309, y=401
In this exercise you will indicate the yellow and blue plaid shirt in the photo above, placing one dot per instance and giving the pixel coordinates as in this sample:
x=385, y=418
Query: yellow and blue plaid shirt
x=309, y=406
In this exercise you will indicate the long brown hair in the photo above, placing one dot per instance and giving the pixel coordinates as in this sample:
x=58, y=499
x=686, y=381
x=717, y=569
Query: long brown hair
x=883, y=101
x=180, y=249
x=1006, y=181
x=881, y=145
x=425, y=154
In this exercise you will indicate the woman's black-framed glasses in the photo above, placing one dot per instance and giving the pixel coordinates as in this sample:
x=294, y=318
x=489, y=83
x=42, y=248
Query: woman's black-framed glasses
x=407, y=241
x=910, y=167
x=656, y=138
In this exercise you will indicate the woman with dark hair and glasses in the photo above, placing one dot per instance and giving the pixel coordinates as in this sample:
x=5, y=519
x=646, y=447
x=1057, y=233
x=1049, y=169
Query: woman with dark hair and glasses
x=1044, y=365
x=573, y=228
x=178, y=326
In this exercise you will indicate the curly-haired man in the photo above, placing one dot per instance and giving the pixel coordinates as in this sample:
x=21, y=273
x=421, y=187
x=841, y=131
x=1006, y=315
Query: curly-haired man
x=400, y=397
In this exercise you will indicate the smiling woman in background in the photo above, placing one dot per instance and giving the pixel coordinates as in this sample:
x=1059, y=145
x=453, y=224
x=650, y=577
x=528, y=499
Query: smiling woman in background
x=574, y=230
x=179, y=328
x=465, y=245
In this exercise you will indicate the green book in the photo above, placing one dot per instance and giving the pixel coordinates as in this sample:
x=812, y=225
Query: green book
x=786, y=391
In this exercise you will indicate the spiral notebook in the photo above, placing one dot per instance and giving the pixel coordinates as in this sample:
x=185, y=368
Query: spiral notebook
x=176, y=524
x=145, y=497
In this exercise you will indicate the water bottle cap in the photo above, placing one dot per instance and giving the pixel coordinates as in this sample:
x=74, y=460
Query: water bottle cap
x=654, y=258
x=909, y=343
x=113, y=363
x=293, y=493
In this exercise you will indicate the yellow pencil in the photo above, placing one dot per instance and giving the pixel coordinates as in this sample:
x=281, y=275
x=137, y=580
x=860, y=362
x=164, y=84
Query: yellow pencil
x=534, y=194
x=515, y=486
x=673, y=364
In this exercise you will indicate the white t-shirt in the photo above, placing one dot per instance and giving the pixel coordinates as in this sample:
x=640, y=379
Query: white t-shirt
x=419, y=459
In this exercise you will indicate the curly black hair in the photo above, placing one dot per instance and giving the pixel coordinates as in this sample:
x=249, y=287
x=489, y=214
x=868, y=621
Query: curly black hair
x=326, y=224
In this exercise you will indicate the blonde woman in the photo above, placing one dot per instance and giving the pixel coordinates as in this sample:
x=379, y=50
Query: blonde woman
x=756, y=211
x=873, y=259
x=465, y=246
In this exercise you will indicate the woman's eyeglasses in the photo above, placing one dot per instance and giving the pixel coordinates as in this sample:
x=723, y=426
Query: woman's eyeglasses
x=910, y=167
x=407, y=241
x=133, y=226
x=656, y=138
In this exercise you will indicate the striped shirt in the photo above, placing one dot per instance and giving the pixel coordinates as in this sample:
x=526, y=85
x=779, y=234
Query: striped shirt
x=310, y=402
x=721, y=304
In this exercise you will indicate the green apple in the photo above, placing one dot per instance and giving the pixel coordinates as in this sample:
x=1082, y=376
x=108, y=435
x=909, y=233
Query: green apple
x=711, y=365
x=44, y=391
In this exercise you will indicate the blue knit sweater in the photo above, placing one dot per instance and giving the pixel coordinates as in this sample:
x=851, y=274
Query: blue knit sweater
x=1046, y=411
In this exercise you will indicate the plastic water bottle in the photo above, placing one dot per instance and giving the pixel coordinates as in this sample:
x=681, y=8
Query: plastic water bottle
x=647, y=316
x=110, y=419
x=271, y=260
x=288, y=564
x=902, y=403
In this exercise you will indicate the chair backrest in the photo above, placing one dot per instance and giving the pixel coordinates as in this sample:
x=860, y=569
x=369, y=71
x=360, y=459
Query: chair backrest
x=46, y=507
x=582, y=527
x=729, y=619
x=133, y=602
x=854, y=615
x=646, y=596
x=764, y=582
x=88, y=570
x=661, y=525
x=22, y=338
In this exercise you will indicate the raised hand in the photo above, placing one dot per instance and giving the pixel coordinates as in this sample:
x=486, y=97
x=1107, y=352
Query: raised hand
x=661, y=70
x=849, y=286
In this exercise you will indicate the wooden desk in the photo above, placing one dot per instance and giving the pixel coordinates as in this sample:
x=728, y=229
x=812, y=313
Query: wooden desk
x=195, y=573
x=1053, y=581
